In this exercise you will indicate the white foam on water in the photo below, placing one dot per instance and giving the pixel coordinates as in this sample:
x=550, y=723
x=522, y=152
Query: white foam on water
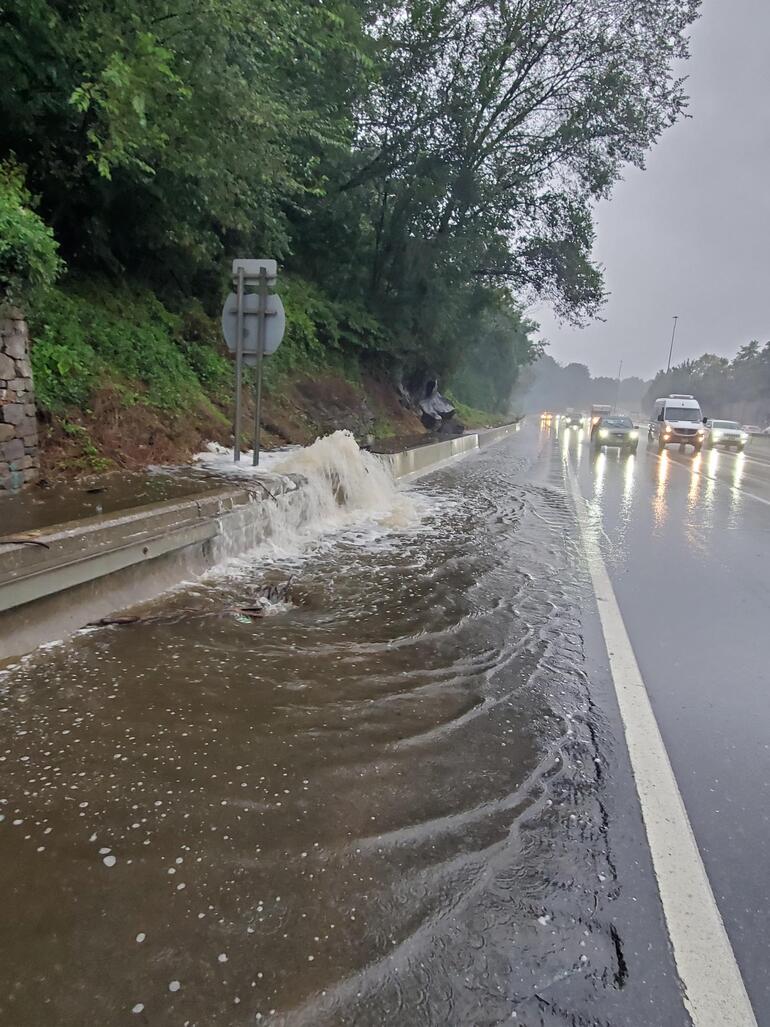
x=216, y=457
x=333, y=486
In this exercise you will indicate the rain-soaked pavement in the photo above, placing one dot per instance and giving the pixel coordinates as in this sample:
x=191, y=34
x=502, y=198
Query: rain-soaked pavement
x=404, y=798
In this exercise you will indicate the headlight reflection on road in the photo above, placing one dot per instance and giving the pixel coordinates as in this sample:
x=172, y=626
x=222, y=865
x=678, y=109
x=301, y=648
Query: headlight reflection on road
x=659, y=507
x=629, y=470
x=581, y=439
x=738, y=468
x=736, y=494
x=600, y=468
x=711, y=481
x=696, y=480
x=628, y=478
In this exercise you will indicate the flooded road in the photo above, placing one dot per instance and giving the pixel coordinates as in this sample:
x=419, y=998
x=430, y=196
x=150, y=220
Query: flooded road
x=400, y=799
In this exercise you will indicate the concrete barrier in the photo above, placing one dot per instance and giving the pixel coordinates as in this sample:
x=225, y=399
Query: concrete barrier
x=92, y=567
x=491, y=435
x=89, y=568
x=412, y=462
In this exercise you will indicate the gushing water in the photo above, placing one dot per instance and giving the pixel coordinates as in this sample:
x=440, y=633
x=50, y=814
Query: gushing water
x=308, y=493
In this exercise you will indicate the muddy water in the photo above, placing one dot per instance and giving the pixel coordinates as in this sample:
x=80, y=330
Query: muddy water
x=103, y=494
x=380, y=805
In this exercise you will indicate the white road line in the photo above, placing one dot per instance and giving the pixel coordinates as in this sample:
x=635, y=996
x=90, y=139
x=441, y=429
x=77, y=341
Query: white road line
x=714, y=992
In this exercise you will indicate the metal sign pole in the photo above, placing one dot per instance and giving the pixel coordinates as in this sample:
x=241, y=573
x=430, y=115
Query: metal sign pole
x=238, y=366
x=261, y=324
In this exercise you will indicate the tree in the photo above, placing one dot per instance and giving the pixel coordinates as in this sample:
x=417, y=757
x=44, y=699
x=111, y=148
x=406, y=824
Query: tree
x=28, y=251
x=159, y=133
x=737, y=389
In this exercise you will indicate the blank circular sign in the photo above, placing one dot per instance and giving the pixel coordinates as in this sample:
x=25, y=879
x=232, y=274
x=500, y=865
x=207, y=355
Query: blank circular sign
x=275, y=324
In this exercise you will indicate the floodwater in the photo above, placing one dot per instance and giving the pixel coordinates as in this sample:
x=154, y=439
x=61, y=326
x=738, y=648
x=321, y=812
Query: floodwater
x=40, y=507
x=385, y=803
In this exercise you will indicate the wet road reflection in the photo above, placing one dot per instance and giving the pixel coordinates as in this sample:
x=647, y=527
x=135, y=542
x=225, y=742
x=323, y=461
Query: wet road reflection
x=388, y=804
x=686, y=547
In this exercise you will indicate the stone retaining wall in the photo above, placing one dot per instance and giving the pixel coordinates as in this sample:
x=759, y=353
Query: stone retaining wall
x=19, y=458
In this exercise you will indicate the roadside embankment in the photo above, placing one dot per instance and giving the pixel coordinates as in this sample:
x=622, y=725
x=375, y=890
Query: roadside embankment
x=58, y=579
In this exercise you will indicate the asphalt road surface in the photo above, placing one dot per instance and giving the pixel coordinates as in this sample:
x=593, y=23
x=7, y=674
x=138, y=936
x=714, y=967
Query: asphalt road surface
x=502, y=759
x=686, y=542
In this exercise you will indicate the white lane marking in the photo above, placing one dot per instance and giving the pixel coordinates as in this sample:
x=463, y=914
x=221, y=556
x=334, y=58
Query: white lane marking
x=714, y=992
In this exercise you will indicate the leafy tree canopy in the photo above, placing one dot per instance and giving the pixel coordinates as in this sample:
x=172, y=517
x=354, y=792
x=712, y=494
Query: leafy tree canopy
x=434, y=162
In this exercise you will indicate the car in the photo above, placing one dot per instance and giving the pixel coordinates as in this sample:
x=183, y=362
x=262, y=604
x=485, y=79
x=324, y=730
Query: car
x=615, y=431
x=752, y=429
x=727, y=434
x=677, y=422
x=572, y=421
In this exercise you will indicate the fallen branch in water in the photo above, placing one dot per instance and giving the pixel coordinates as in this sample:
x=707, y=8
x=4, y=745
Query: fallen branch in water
x=22, y=540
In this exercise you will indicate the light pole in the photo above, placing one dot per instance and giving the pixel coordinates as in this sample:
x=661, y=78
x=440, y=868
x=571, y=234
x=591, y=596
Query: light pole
x=671, y=347
x=617, y=395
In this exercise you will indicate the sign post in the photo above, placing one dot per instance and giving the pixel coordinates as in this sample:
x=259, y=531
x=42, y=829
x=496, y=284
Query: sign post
x=238, y=365
x=253, y=325
x=261, y=324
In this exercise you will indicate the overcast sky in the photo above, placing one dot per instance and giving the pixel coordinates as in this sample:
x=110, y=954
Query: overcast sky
x=690, y=235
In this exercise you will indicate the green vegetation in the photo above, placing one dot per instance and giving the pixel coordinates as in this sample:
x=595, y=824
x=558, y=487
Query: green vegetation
x=735, y=389
x=90, y=458
x=92, y=333
x=421, y=169
x=28, y=251
x=473, y=417
x=323, y=334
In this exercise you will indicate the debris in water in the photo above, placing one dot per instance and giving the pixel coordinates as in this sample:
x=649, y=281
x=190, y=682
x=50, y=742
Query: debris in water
x=105, y=622
x=266, y=597
x=23, y=540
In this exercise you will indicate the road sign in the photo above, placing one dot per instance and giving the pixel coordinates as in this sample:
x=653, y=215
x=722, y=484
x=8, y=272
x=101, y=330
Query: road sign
x=252, y=267
x=253, y=324
x=275, y=324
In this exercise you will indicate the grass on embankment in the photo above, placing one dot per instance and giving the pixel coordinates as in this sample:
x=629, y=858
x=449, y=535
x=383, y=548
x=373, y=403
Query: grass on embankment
x=123, y=381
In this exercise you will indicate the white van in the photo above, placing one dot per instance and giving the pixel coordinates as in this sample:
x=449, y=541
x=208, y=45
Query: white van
x=677, y=420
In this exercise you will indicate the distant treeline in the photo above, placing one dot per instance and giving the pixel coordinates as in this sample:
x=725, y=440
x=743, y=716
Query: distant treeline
x=736, y=389
x=548, y=385
x=425, y=166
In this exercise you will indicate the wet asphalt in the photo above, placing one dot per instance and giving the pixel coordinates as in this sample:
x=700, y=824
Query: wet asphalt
x=405, y=799
x=687, y=546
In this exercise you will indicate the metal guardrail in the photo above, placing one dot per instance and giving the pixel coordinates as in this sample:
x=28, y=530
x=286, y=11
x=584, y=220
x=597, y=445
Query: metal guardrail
x=93, y=547
x=90, y=554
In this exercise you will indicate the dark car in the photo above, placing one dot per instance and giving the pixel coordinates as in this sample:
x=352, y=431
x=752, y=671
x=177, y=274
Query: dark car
x=615, y=431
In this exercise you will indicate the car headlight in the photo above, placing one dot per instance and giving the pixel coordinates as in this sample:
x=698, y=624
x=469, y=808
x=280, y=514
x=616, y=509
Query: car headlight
x=633, y=435
x=716, y=434
x=744, y=436
x=603, y=433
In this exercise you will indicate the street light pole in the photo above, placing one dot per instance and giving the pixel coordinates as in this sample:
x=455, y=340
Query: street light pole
x=671, y=347
x=617, y=395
